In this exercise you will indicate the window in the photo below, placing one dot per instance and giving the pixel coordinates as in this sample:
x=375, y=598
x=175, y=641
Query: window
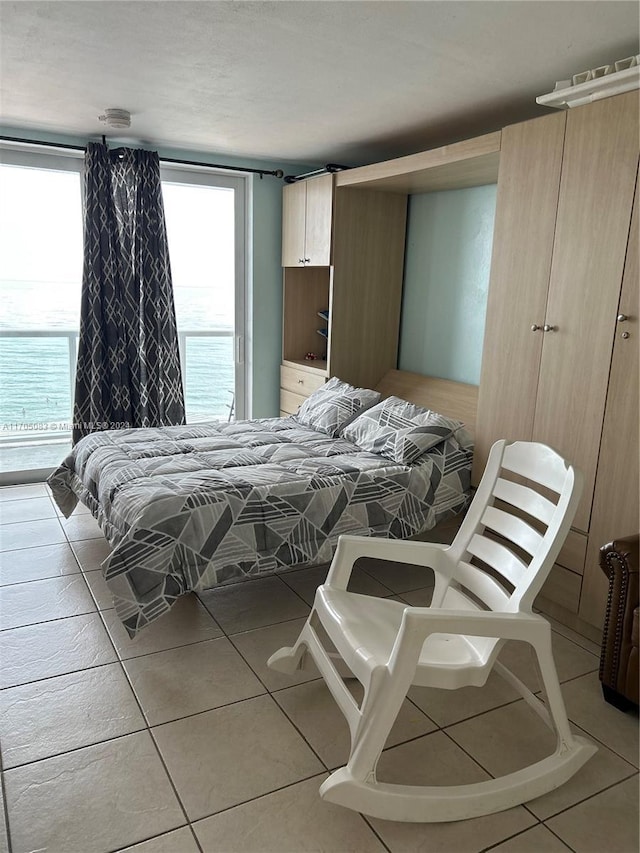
x=40, y=283
x=40, y=291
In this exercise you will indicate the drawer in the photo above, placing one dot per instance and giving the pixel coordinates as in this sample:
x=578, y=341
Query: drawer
x=290, y=403
x=562, y=587
x=300, y=382
x=573, y=552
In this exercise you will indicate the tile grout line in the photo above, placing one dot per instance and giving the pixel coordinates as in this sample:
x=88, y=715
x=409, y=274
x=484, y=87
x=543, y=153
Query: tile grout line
x=49, y=621
x=520, y=834
x=148, y=728
x=562, y=841
x=367, y=820
x=275, y=702
x=73, y=749
x=588, y=734
x=153, y=838
x=586, y=799
x=169, y=776
x=261, y=796
x=268, y=691
x=59, y=674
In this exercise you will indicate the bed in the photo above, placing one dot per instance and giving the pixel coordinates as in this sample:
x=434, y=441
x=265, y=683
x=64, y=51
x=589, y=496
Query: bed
x=189, y=507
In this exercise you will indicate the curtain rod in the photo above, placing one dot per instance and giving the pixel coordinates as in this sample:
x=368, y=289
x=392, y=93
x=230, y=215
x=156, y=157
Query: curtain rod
x=277, y=173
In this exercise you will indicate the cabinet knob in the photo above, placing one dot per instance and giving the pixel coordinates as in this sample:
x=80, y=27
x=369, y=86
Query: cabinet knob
x=621, y=318
x=300, y=381
x=535, y=327
x=548, y=328
x=301, y=260
x=307, y=260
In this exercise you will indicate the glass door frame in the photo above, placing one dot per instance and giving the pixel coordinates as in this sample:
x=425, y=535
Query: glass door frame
x=241, y=184
x=57, y=160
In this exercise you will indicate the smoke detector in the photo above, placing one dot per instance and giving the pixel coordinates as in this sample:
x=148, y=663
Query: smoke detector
x=115, y=117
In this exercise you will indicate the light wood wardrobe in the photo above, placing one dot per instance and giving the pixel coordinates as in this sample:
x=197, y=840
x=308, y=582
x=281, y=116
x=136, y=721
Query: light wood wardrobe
x=560, y=358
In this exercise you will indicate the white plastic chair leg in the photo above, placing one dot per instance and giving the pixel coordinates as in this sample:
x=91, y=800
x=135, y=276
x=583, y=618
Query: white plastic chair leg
x=553, y=693
x=289, y=659
x=378, y=713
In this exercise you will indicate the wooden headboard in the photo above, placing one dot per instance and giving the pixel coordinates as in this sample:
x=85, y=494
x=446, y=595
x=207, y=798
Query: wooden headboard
x=453, y=399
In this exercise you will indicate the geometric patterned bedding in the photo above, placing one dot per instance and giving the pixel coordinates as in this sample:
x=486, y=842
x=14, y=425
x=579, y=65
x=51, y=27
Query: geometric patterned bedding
x=189, y=507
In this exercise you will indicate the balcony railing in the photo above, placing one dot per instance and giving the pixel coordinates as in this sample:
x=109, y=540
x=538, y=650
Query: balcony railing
x=38, y=378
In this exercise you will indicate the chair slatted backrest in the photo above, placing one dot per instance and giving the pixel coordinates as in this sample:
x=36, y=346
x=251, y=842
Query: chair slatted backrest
x=513, y=531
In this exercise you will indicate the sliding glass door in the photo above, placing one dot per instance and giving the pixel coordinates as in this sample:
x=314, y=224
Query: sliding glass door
x=205, y=213
x=40, y=282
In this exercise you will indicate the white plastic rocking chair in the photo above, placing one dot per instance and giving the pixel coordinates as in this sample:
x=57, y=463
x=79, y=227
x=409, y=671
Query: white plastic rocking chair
x=389, y=646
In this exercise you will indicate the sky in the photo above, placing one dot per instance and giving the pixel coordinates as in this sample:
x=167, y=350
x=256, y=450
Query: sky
x=41, y=241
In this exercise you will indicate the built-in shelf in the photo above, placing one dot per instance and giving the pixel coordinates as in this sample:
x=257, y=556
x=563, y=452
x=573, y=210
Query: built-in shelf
x=470, y=163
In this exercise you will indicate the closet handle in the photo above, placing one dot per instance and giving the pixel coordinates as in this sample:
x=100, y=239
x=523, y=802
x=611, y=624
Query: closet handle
x=535, y=327
x=621, y=318
x=548, y=328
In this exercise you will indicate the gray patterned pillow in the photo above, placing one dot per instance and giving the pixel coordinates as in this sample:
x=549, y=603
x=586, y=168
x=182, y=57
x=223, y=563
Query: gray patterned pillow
x=399, y=430
x=333, y=405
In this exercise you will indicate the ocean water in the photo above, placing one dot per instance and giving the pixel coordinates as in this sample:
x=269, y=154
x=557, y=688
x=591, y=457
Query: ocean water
x=35, y=376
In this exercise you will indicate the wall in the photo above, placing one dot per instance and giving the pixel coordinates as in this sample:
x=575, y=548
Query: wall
x=446, y=281
x=265, y=272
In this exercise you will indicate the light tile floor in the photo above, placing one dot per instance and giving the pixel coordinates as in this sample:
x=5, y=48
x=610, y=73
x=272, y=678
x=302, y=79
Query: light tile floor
x=183, y=741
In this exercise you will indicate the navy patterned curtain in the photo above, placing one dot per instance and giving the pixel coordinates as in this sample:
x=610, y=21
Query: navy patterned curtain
x=128, y=371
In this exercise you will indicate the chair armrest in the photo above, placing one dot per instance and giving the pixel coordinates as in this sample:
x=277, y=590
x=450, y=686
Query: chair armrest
x=418, y=623
x=625, y=552
x=618, y=660
x=351, y=548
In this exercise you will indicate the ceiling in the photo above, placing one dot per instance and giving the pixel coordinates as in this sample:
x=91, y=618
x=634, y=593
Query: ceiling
x=311, y=82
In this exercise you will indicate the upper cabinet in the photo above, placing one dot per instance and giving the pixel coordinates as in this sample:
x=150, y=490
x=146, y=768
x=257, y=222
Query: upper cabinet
x=307, y=209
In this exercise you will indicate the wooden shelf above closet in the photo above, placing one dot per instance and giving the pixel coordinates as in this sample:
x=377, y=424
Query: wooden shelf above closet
x=471, y=163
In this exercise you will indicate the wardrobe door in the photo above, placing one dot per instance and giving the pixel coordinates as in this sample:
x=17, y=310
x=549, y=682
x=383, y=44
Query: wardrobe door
x=594, y=210
x=527, y=200
x=615, y=502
